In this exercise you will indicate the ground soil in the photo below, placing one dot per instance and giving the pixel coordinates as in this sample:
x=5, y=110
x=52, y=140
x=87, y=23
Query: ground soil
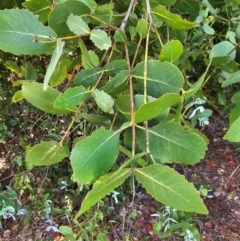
x=220, y=170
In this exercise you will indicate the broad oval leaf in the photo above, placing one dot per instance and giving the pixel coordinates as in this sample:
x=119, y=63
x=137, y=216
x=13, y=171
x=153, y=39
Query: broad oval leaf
x=172, y=20
x=22, y=33
x=154, y=108
x=171, y=51
x=236, y=97
x=43, y=100
x=77, y=25
x=225, y=63
x=102, y=187
x=71, y=97
x=142, y=27
x=94, y=156
x=162, y=78
x=53, y=63
x=170, y=142
x=170, y=188
x=46, y=153
x=59, y=15
x=233, y=133
x=115, y=66
x=225, y=48
x=100, y=39
x=104, y=101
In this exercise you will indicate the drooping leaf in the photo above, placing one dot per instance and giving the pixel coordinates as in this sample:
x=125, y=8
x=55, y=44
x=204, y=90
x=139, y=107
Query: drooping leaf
x=94, y=155
x=162, y=78
x=65, y=230
x=40, y=8
x=59, y=15
x=46, y=153
x=120, y=36
x=170, y=188
x=169, y=142
x=53, y=63
x=114, y=67
x=232, y=79
x=171, y=51
x=43, y=100
x=86, y=56
x=13, y=67
x=77, y=25
x=233, y=132
x=196, y=86
x=29, y=71
x=94, y=59
x=100, y=39
x=172, y=20
x=154, y=108
x=71, y=97
x=60, y=71
x=103, y=100
x=88, y=77
x=22, y=33
x=142, y=27
x=102, y=187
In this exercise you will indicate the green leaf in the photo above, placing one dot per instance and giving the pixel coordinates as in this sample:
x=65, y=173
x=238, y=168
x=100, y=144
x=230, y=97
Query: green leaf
x=43, y=100
x=191, y=7
x=170, y=188
x=224, y=48
x=197, y=86
x=120, y=36
x=236, y=97
x=86, y=56
x=100, y=39
x=46, y=153
x=235, y=113
x=94, y=59
x=232, y=79
x=60, y=71
x=88, y=77
x=172, y=20
x=114, y=67
x=104, y=13
x=59, y=15
x=91, y=4
x=117, y=84
x=142, y=27
x=233, y=133
x=22, y=27
x=77, y=25
x=97, y=119
x=13, y=67
x=162, y=78
x=169, y=142
x=171, y=51
x=132, y=160
x=94, y=155
x=103, y=100
x=66, y=231
x=29, y=71
x=18, y=96
x=102, y=187
x=53, y=63
x=225, y=63
x=40, y=8
x=154, y=108
x=71, y=98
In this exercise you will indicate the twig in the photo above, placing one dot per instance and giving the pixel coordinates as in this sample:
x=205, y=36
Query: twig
x=125, y=20
x=234, y=171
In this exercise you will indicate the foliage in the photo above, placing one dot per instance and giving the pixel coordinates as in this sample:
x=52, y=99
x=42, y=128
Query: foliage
x=139, y=77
